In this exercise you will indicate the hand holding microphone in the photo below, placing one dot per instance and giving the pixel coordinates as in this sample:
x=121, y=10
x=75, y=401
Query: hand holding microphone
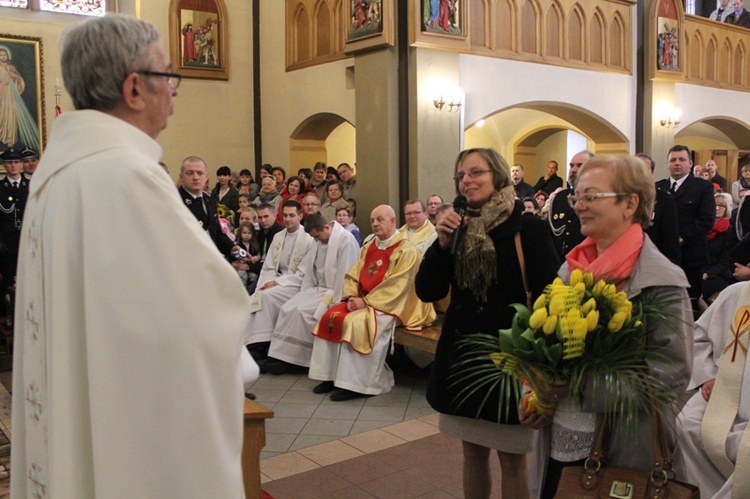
x=459, y=206
x=450, y=224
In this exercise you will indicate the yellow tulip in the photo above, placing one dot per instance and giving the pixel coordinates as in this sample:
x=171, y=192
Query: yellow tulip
x=592, y=319
x=550, y=325
x=536, y=321
x=558, y=282
x=575, y=277
x=588, y=307
x=609, y=291
x=580, y=289
x=556, y=305
x=540, y=302
x=616, y=323
x=588, y=279
x=598, y=288
x=573, y=314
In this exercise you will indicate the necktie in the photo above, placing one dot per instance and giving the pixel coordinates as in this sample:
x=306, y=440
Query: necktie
x=15, y=185
x=674, y=188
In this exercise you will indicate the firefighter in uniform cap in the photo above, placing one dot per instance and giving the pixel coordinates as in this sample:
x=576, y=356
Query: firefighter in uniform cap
x=14, y=190
x=30, y=160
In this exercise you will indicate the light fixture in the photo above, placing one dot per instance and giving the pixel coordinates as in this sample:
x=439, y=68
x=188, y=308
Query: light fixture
x=671, y=120
x=449, y=106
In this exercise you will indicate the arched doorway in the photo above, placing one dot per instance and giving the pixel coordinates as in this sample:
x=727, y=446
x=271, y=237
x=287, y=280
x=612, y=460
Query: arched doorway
x=534, y=133
x=725, y=140
x=325, y=137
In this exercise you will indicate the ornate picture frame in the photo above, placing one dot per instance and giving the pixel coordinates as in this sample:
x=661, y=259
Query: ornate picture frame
x=440, y=24
x=369, y=24
x=666, y=44
x=198, y=38
x=22, y=77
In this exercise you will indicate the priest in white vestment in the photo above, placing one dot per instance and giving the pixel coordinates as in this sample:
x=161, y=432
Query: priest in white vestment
x=418, y=228
x=711, y=439
x=352, y=338
x=126, y=377
x=331, y=257
x=279, y=280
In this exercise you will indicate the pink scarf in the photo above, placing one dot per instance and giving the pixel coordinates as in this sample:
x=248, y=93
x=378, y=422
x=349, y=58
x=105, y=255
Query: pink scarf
x=616, y=263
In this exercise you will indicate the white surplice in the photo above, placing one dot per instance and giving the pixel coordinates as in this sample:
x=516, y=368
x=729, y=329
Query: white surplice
x=283, y=264
x=690, y=459
x=126, y=376
x=325, y=268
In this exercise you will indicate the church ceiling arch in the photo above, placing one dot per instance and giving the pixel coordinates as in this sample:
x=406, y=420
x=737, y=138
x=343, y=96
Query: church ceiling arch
x=720, y=128
x=318, y=126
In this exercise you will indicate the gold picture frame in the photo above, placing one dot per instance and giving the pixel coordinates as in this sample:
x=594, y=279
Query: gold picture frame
x=369, y=24
x=441, y=24
x=21, y=67
x=198, y=38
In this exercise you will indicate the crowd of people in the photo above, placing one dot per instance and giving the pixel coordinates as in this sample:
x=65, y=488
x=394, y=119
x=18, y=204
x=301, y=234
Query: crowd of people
x=130, y=339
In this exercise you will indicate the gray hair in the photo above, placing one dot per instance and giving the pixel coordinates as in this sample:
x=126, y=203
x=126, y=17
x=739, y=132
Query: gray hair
x=99, y=53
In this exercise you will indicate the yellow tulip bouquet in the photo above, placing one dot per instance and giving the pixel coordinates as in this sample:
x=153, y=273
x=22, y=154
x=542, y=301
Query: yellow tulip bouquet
x=577, y=333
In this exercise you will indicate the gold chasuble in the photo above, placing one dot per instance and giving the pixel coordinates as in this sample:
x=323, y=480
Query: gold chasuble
x=384, y=280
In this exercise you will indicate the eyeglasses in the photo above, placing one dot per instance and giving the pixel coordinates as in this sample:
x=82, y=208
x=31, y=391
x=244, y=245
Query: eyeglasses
x=471, y=174
x=587, y=199
x=173, y=79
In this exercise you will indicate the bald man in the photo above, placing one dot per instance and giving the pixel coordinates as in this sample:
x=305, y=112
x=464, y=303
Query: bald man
x=352, y=338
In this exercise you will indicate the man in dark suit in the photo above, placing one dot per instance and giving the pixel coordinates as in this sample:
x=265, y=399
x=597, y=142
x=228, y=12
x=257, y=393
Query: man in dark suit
x=715, y=177
x=523, y=190
x=193, y=176
x=696, y=211
x=663, y=230
x=565, y=226
x=740, y=17
x=550, y=182
x=14, y=190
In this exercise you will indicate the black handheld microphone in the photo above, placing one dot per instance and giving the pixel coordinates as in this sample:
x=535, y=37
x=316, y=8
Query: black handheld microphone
x=459, y=206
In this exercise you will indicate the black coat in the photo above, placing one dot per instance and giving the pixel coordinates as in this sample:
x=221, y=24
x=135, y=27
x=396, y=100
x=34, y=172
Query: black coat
x=696, y=211
x=663, y=230
x=743, y=20
x=208, y=219
x=466, y=315
x=566, y=228
x=548, y=186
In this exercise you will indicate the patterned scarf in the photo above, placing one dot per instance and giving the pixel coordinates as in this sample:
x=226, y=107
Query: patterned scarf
x=476, y=261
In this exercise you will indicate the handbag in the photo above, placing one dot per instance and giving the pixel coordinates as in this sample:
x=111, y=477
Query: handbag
x=597, y=480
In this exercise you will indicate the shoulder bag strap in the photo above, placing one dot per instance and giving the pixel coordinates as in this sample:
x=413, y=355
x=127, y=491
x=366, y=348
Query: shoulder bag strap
x=522, y=263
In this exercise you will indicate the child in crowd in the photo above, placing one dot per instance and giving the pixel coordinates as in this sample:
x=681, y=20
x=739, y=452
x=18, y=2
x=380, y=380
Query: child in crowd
x=248, y=215
x=245, y=239
x=248, y=185
x=243, y=200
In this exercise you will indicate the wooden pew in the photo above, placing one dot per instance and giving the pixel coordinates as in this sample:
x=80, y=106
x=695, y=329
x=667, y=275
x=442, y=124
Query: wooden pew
x=253, y=441
x=425, y=340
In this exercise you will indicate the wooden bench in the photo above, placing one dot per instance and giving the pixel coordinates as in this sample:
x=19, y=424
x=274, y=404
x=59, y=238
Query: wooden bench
x=253, y=441
x=426, y=339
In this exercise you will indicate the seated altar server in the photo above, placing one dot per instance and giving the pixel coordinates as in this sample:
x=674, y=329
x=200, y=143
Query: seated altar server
x=335, y=251
x=279, y=280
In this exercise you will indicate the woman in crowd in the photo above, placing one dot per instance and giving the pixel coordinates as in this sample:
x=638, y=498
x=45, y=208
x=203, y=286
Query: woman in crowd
x=742, y=184
x=529, y=206
x=344, y=218
x=294, y=189
x=335, y=192
x=223, y=192
x=248, y=185
x=613, y=199
x=484, y=277
x=542, y=204
x=718, y=271
x=268, y=193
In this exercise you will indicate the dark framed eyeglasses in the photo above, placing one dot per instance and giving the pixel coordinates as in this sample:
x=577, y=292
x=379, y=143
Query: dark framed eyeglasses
x=173, y=79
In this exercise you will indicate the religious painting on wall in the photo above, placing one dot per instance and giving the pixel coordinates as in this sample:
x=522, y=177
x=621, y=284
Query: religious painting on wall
x=439, y=24
x=80, y=7
x=198, y=38
x=442, y=16
x=666, y=46
x=19, y=4
x=22, y=121
x=369, y=24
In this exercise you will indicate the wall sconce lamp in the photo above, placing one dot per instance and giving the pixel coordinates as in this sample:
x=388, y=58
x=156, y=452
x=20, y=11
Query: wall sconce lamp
x=671, y=120
x=450, y=106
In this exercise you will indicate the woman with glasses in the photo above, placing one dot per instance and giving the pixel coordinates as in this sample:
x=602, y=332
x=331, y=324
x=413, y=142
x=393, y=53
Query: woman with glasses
x=484, y=277
x=613, y=199
x=718, y=273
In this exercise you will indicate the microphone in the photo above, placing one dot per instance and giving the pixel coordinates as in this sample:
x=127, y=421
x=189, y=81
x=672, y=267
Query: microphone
x=459, y=206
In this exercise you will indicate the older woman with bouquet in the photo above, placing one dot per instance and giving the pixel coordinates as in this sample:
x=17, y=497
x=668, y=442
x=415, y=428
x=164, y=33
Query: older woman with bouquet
x=614, y=199
x=484, y=277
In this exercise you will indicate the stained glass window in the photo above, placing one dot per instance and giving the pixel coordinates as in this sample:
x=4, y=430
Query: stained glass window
x=21, y=4
x=81, y=7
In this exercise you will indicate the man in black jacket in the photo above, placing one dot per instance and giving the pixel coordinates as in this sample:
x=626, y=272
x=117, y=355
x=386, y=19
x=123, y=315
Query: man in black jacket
x=663, y=230
x=562, y=219
x=523, y=190
x=550, y=182
x=696, y=211
x=193, y=176
x=740, y=17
